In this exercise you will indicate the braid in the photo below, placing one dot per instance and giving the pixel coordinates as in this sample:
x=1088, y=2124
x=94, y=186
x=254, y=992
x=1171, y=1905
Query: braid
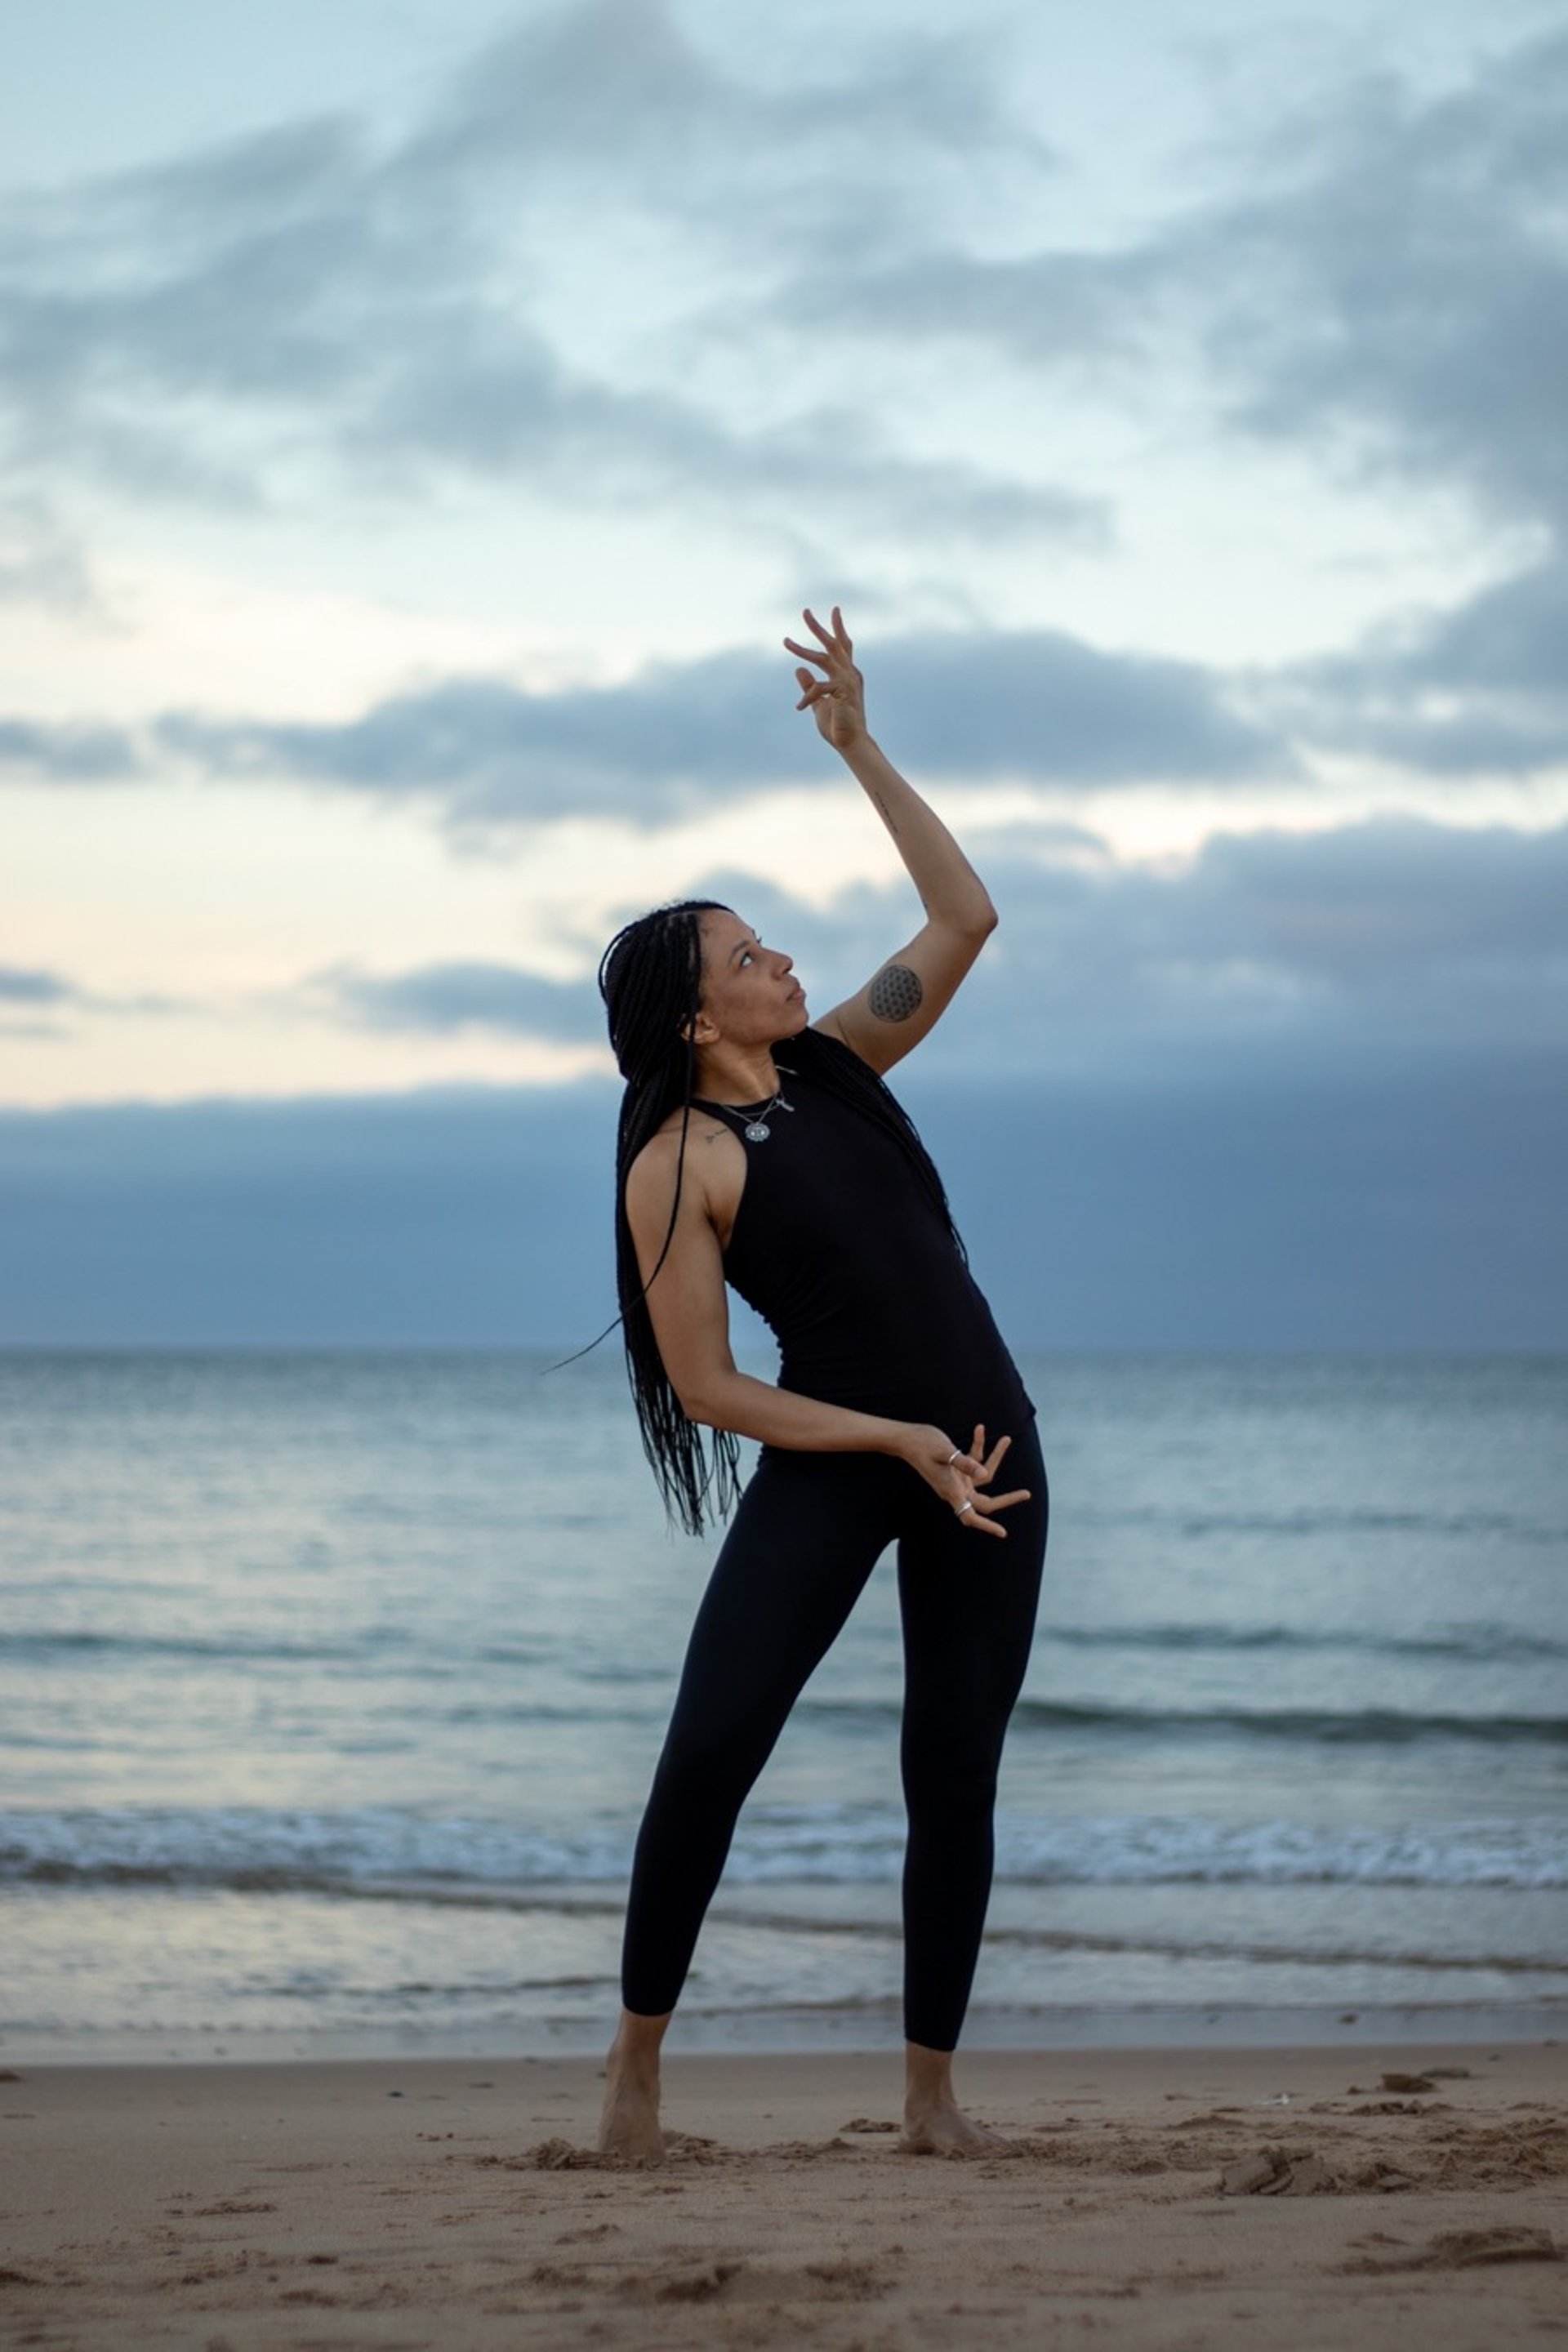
x=650, y=977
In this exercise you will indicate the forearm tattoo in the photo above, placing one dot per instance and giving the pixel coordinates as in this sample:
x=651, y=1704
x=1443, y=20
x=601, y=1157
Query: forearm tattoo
x=896, y=992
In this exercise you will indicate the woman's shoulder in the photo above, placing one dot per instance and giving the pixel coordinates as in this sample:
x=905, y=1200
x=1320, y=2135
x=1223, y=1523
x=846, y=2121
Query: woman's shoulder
x=659, y=1157
x=703, y=1167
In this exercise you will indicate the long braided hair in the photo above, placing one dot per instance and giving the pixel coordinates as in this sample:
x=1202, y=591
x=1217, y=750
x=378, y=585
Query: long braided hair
x=650, y=977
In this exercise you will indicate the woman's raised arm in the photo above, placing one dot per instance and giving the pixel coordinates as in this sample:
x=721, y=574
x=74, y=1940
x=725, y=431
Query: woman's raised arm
x=906, y=996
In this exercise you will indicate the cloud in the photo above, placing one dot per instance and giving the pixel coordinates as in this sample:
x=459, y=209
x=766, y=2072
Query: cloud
x=1325, y=947
x=1383, y=290
x=324, y=306
x=1033, y=705
x=1509, y=639
x=852, y=142
x=41, y=561
x=1319, y=952
x=344, y=343
x=313, y=302
x=444, y=998
x=1389, y=285
x=1388, y=292
x=67, y=751
x=1095, y=314
x=34, y=992
x=54, y=992
x=1407, y=284
x=23, y=987
x=262, y=180
x=1397, y=1206
x=488, y=398
x=1396, y=297
x=1481, y=689
x=1269, y=950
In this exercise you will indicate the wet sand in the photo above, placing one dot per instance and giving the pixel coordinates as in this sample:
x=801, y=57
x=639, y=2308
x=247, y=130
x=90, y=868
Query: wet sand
x=1185, y=2198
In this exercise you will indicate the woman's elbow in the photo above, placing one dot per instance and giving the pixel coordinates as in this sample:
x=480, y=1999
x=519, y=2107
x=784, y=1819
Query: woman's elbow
x=701, y=1397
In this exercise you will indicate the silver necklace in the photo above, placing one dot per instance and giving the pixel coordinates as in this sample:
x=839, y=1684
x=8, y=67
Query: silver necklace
x=754, y=1123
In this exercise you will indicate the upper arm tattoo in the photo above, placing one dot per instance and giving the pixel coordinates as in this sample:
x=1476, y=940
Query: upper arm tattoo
x=895, y=993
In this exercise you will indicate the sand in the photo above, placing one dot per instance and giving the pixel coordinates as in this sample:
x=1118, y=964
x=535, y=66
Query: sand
x=453, y=2204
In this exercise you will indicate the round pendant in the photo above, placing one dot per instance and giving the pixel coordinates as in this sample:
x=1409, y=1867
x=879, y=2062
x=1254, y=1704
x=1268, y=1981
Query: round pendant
x=756, y=1132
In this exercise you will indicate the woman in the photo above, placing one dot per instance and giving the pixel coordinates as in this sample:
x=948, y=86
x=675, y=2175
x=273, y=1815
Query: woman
x=764, y=1149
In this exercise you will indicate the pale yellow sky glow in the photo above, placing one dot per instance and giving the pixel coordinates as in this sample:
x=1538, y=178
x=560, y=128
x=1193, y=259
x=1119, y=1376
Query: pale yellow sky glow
x=169, y=638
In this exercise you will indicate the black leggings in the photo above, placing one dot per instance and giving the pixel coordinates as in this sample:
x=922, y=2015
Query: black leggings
x=809, y=1530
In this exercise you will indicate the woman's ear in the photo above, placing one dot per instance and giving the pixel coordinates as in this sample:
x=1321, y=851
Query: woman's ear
x=701, y=1030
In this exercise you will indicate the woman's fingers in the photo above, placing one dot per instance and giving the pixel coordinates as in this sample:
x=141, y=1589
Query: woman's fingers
x=989, y=1462
x=1001, y=1501
x=815, y=690
x=836, y=641
x=975, y=1511
x=959, y=1476
x=833, y=699
x=984, y=1508
x=838, y=636
x=832, y=658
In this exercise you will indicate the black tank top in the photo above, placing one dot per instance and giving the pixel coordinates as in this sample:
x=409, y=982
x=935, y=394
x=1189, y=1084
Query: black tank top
x=841, y=1249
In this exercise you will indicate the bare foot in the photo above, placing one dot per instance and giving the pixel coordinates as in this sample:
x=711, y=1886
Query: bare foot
x=628, y=2122
x=934, y=2122
x=946, y=2130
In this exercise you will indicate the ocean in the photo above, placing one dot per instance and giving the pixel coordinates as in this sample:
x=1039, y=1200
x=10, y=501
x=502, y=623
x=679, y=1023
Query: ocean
x=331, y=1685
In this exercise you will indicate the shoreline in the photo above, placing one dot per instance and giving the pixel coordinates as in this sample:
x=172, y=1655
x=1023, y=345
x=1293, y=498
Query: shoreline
x=823, y=2032
x=457, y=2203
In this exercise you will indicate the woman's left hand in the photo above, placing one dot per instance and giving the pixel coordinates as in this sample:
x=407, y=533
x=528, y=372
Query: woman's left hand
x=836, y=699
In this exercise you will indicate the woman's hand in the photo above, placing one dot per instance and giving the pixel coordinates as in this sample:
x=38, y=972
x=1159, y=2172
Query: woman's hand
x=958, y=1476
x=837, y=700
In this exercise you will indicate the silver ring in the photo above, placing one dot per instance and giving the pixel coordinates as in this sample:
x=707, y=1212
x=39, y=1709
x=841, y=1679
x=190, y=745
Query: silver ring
x=953, y=1455
x=962, y=1508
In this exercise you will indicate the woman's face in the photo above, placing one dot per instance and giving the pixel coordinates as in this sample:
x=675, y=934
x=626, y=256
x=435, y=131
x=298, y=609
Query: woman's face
x=749, y=990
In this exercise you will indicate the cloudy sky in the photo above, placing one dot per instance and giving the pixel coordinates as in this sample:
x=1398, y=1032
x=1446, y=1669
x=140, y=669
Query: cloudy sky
x=422, y=418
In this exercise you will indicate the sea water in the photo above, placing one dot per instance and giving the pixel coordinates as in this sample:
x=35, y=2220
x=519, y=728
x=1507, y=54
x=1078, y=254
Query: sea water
x=330, y=1685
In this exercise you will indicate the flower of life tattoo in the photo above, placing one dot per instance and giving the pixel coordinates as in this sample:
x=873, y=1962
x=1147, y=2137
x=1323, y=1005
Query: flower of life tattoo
x=896, y=992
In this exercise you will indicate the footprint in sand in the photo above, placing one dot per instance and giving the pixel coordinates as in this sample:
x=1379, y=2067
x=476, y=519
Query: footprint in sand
x=1465, y=2250
x=1277, y=2172
x=758, y=2281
